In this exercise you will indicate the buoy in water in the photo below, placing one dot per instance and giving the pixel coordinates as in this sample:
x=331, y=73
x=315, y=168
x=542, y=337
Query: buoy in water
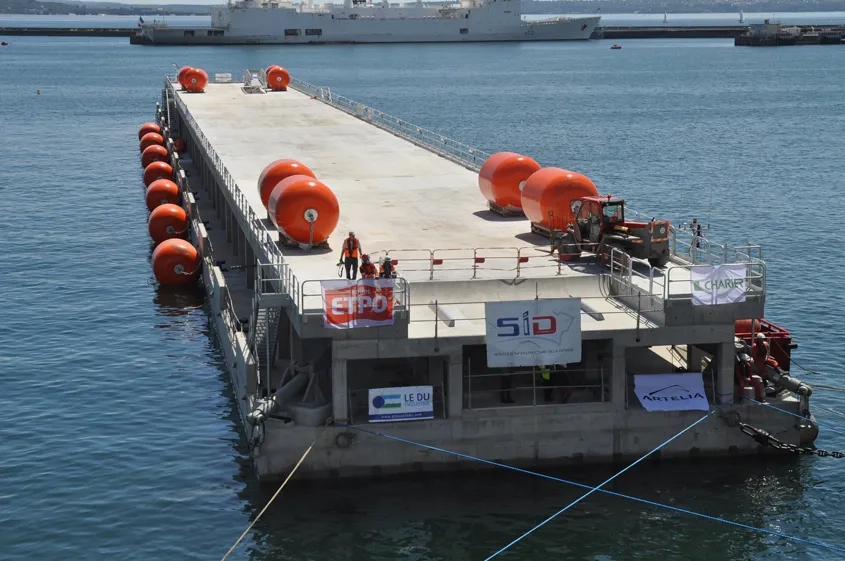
x=276, y=172
x=195, y=80
x=157, y=170
x=181, y=76
x=167, y=221
x=176, y=262
x=304, y=209
x=148, y=128
x=161, y=192
x=153, y=153
x=277, y=78
x=150, y=139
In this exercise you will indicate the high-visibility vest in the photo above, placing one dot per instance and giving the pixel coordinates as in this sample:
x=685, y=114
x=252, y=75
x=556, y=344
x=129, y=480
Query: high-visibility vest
x=351, y=247
x=546, y=373
x=386, y=271
x=368, y=271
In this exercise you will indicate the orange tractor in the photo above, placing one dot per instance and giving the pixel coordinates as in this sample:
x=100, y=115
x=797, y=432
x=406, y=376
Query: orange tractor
x=600, y=226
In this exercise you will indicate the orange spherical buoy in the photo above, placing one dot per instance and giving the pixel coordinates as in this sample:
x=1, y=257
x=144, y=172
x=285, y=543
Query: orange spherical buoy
x=153, y=153
x=176, y=262
x=502, y=177
x=155, y=171
x=150, y=139
x=179, y=145
x=304, y=209
x=277, y=171
x=552, y=190
x=277, y=78
x=147, y=128
x=161, y=192
x=181, y=76
x=195, y=80
x=167, y=221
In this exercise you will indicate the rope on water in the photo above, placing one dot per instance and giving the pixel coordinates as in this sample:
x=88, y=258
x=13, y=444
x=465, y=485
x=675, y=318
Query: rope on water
x=605, y=491
x=276, y=494
x=829, y=427
x=597, y=488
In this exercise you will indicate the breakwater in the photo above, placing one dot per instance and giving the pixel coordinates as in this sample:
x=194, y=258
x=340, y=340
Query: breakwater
x=66, y=32
x=665, y=32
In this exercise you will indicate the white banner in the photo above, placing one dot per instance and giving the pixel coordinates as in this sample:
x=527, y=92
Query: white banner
x=533, y=332
x=671, y=392
x=719, y=284
x=350, y=304
x=401, y=404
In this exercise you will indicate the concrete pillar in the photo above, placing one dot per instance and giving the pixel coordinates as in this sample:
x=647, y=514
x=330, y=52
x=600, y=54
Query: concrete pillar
x=725, y=357
x=231, y=224
x=619, y=377
x=694, y=356
x=283, y=348
x=455, y=385
x=249, y=259
x=340, y=410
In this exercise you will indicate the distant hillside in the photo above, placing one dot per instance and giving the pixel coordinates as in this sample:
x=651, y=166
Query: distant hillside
x=33, y=7
x=80, y=7
x=678, y=6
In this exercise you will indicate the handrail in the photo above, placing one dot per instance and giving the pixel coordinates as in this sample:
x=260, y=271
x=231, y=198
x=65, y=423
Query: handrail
x=401, y=296
x=460, y=153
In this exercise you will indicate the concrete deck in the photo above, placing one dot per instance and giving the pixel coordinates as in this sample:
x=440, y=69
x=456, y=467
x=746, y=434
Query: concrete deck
x=396, y=196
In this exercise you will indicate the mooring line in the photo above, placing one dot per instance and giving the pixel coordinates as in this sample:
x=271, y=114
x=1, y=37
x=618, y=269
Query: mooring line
x=594, y=489
x=829, y=427
x=605, y=491
x=276, y=494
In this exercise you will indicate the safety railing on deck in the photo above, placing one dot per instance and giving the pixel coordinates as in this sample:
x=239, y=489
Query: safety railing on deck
x=458, y=152
x=310, y=297
x=686, y=247
x=528, y=388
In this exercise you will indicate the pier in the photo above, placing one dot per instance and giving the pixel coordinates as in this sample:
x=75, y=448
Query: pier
x=412, y=195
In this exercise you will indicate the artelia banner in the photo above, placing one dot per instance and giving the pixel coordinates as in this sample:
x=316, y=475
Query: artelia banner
x=363, y=303
x=533, y=332
x=719, y=284
x=671, y=392
x=401, y=404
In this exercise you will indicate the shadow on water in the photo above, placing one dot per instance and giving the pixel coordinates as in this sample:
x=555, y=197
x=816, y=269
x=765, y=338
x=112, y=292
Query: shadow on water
x=469, y=515
x=174, y=301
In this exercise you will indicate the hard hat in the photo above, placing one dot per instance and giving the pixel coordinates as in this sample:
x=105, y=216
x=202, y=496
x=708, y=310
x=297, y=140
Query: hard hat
x=365, y=257
x=351, y=233
x=761, y=336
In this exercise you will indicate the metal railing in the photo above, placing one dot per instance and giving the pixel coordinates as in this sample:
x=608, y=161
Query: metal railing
x=685, y=247
x=485, y=397
x=310, y=302
x=460, y=153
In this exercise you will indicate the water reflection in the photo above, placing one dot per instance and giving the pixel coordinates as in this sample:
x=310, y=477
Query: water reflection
x=175, y=301
x=470, y=515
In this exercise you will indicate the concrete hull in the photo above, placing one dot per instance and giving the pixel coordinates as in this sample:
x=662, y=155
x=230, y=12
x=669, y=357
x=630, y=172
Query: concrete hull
x=609, y=429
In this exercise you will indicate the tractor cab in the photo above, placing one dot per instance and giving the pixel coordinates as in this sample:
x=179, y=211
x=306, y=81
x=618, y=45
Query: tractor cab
x=597, y=216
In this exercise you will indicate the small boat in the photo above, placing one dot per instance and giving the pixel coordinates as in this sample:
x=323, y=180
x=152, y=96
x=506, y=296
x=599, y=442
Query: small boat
x=3, y=43
x=616, y=47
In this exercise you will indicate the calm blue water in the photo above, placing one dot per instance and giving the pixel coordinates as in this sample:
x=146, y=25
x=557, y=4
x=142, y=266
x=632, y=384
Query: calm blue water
x=119, y=439
x=788, y=18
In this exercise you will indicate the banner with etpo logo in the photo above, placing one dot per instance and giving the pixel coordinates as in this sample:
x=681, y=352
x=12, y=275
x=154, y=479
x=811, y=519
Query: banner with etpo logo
x=671, y=392
x=351, y=304
x=719, y=284
x=533, y=332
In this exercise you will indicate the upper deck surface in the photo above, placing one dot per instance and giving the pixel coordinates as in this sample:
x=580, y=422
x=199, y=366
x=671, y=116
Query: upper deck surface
x=396, y=196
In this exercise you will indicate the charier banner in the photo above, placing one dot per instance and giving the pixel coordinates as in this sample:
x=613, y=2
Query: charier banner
x=671, y=392
x=719, y=284
x=364, y=303
x=533, y=332
x=401, y=404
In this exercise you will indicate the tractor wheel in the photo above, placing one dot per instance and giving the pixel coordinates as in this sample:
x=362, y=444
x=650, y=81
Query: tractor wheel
x=661, y=261
x=567, y=248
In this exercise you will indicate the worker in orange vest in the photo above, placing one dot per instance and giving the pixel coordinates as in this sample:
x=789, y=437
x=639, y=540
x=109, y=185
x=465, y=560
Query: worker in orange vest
x=349, y=256
x=386, y=269
x=368, y=270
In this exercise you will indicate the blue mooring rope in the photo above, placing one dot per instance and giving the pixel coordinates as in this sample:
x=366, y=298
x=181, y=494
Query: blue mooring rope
x=605, y=491
x=829, y=427
x=594, y=489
